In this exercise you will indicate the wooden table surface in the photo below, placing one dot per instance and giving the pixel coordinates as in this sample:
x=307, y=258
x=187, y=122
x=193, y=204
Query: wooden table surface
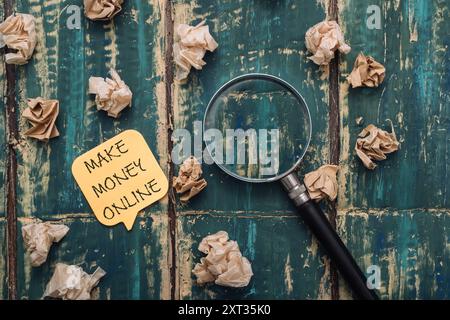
x=396, y=217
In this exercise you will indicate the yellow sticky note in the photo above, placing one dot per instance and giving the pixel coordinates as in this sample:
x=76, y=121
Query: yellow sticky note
x=119, y=178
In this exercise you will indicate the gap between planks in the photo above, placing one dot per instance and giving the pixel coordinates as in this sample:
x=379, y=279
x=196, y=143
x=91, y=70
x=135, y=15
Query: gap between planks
x=348, y=212
x=334, y=135
x=11, y=171
x=168, y=79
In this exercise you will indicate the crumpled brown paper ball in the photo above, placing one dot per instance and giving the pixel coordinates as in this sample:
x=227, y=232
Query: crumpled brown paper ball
x=112, y=95
x=42, y=114
x=102, y=9
x=190, y=48
x=366, y=72
x=70, y=282
x=224, y=263
x=39, y=237
x=322, y=182
x=18, y=32
x=189, y=182
x=374, y=143
x=323, y=39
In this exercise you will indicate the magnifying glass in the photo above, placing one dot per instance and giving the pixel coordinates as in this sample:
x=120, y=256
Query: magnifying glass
x=257, y=128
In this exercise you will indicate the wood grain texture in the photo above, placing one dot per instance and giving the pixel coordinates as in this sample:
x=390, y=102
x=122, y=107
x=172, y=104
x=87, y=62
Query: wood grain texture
x=285, y=260
x=405, y=231
x=3, y=253
x=411, y=247
x=3, y=144
x=253, y=36
x=61, y=66
x=3, y=154
x=134, y=261
x=396, y=217
x=413, y=45
x=63, y=61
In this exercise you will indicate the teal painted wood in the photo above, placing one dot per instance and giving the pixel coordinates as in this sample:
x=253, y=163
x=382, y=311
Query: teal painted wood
x=3, y=145
x=253, y=36
x=60, y=68
x=411, y=247
x=412, y=44
x=3, y=148
x=285, y=260
x=132, y=260
x=3, y=248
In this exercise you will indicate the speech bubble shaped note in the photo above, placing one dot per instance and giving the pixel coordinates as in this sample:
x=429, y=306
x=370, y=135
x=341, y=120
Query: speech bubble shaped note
x=119, y=178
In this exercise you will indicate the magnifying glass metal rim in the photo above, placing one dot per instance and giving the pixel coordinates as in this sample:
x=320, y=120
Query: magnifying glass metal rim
x=283, y=83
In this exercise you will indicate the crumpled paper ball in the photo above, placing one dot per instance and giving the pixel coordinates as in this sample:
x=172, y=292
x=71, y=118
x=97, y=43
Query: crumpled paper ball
x=323, y=39
x=366, y=72
x=39, y=237
x=189, y=182
x=224, y=264
x=374, y=143
x=322, y=183
x=190, y=48
x=112, y=94
x=42, y=114
x=18, y=32
x=102, y=9
x=71, y=282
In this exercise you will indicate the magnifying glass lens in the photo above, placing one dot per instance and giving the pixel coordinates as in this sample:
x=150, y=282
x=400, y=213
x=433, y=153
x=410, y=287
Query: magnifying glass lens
x=256, y=129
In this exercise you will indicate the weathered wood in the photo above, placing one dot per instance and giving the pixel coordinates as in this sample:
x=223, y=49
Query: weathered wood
x=395, y=216
x=61, y=66
x=267, y=37
x=3, y=154
x=410, y=246
x=335, y=136
x=3, y=255
x=135, y=262
x=63, y=61
x=168, y=79
x=412, y=44
x=285, y=260
x=11, y=169
x=3, y=145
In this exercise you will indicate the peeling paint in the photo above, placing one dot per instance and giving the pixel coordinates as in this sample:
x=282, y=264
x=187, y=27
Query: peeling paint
x=312, y=252
x=111, y=48
x=160, y=229
x=289, y=282
x=185, y=263
x=324, y=292
x=160, y=92
x=404, y=260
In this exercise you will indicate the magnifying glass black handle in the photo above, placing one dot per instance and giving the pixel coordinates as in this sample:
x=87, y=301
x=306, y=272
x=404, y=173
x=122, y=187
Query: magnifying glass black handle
x=316, y=220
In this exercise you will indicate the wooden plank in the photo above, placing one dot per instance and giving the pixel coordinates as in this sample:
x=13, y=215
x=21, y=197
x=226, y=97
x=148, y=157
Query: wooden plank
x=3, y=248
x=284, y=267
x=3, y=148
x=411, y=247
x=3, y=145
x=60, y=68
x=412, y=44
x=135, y=261
x=253, y=36
x=62, y=64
